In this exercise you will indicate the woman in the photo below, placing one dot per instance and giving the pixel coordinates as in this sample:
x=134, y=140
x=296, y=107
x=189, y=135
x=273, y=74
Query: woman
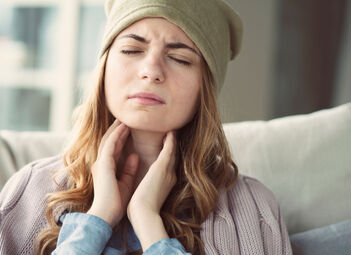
x=149, y=169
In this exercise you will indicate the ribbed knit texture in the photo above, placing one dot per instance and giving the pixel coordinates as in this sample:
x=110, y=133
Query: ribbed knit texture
x=247, y=220
x=23, y=203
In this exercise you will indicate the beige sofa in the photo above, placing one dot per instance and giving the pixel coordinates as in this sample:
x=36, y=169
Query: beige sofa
x=305, y=160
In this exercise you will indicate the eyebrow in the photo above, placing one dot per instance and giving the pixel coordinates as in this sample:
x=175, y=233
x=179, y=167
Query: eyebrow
x=173, y=45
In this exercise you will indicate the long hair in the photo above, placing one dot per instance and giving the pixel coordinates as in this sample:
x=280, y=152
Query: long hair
x=203, y=167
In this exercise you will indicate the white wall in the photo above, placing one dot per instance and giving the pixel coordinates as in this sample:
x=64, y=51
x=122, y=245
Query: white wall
x=246, y=92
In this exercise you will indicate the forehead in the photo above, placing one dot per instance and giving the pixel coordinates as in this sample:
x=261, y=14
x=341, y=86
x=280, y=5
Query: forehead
x=158, y=29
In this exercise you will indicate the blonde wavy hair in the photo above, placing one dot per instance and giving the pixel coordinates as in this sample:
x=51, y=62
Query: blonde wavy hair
x=203, y=167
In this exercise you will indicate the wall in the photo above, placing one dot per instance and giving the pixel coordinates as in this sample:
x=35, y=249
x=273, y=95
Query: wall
x=246, y=94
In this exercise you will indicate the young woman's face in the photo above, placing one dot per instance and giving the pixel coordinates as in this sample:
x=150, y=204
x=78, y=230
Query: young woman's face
x=153, y=76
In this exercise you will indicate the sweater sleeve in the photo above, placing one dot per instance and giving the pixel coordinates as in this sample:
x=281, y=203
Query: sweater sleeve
x=82, y=233
x=286, y=245
x=275, y=235
x=23, y=203
x=12, y=240
x=13, y=190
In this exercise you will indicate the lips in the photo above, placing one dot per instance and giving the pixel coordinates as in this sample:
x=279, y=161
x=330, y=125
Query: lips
x=147, y=97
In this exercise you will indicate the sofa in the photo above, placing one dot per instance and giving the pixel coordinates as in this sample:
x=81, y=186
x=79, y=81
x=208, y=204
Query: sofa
x=304, y=159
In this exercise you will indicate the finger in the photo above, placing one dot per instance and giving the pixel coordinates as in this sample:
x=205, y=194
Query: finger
x=113, y=126
x=104, y=147
x=119, y=144
x=174, y=147
x=127, y=179
x=168, y=151
x=168, y=145
x=115, y=141
x=129, y=171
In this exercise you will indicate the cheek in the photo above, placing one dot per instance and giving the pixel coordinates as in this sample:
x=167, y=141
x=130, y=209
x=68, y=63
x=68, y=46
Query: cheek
x=193, y=105
x=115, y=82
x=191, y=89
x=113, y=75
x=188, y=99
x=116, y=71
x=113, y=95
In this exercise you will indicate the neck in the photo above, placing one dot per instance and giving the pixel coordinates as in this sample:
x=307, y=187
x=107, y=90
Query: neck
x=147, y=145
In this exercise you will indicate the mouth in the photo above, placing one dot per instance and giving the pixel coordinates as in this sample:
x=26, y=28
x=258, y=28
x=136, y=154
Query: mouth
x=147, y=98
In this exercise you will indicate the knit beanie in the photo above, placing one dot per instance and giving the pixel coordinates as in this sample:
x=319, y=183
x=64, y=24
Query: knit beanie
x=214, y=27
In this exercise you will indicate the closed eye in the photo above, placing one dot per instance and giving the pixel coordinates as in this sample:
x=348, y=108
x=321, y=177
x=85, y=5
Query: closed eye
x=130, y=51
x=180, y=61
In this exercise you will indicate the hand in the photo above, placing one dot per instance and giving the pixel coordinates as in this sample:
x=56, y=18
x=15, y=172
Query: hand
x=111, y=196
x=156, y=185
x=145, y=205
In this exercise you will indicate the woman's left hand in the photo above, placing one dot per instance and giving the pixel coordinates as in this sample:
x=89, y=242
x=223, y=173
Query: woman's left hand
x=145, y=205
x=156, y=185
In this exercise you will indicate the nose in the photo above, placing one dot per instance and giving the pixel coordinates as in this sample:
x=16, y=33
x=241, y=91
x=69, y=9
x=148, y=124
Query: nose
x=152, y=68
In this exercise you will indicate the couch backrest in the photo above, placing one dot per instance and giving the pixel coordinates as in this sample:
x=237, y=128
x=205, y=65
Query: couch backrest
x=305, y=160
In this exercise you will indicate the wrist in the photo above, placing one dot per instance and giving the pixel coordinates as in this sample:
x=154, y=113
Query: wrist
x=149, y=228
x=102, y=214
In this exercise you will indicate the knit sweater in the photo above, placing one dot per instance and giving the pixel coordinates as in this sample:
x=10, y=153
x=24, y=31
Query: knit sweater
x=247, y=220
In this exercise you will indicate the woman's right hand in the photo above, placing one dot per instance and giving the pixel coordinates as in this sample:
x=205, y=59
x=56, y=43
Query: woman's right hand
x=111, y=195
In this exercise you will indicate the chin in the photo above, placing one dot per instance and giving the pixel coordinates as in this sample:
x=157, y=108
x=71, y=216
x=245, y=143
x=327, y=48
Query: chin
x=151, y=123
x=145, y=125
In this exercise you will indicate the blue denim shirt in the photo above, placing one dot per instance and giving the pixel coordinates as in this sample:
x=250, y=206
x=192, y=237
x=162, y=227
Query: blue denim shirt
x=83, y=233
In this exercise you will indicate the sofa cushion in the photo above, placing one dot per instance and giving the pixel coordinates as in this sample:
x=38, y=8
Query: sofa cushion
x=332, y=239
x=304, y=159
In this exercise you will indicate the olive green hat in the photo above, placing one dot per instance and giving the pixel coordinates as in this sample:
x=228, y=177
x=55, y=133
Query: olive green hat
x=214, y=27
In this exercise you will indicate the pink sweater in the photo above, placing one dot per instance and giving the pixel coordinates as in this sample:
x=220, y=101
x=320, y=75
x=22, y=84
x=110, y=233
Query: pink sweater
x=247, y=219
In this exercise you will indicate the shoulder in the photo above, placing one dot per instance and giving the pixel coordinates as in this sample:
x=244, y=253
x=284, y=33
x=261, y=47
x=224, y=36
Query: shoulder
x=34, y=178
x=252, y=191
x=247, y=216
x=46, y=169
x=23, y=204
